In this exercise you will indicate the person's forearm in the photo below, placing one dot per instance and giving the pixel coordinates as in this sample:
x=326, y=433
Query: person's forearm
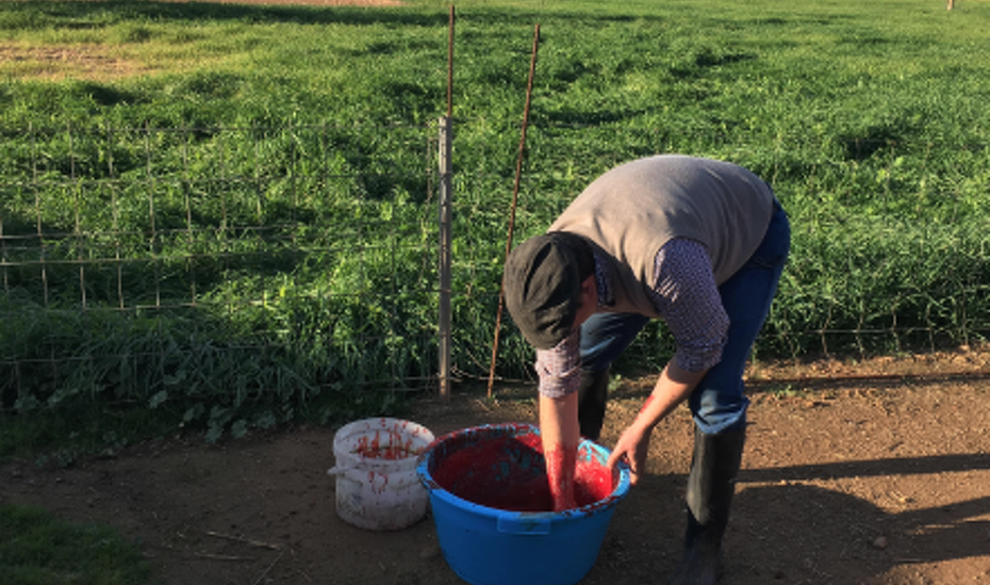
x=673, y=386
x=560, y=434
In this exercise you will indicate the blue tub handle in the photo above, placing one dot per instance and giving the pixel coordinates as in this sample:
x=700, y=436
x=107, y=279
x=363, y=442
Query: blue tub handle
x=523, y=525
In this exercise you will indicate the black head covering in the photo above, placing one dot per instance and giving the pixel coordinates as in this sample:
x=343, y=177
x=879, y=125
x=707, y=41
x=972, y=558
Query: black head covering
x=542, y=284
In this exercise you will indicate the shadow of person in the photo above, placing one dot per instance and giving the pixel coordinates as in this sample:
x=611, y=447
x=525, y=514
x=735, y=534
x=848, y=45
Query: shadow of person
x=799, y=533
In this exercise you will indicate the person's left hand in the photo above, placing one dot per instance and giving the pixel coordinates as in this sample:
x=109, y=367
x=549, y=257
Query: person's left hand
x=632, y=448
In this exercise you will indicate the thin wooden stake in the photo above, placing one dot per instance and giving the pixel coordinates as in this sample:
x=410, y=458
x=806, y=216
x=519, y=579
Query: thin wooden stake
x=444, y=228
x=515, y=197
x=269, y=569
x=450, y=64
x=243, y=540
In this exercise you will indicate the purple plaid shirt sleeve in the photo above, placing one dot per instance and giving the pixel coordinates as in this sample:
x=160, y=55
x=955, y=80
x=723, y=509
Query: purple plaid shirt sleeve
x=559, y=367
x=687, y=298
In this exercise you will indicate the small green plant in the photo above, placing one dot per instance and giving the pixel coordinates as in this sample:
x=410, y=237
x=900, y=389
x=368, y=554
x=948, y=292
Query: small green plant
x=785, y=391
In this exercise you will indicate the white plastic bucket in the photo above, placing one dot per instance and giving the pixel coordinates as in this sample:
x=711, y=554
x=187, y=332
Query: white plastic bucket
x=377, y=486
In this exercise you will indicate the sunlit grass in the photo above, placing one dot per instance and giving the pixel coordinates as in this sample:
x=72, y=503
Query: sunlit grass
x=869, y=120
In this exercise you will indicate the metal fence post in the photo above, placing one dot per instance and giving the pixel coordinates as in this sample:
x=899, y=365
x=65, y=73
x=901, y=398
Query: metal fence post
x=444, y=325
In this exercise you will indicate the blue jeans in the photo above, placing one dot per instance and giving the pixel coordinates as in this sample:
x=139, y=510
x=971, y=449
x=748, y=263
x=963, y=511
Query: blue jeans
x=719, y=402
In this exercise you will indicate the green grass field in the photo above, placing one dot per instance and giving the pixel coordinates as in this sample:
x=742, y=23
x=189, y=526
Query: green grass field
x=38, y=548
x=225, y=213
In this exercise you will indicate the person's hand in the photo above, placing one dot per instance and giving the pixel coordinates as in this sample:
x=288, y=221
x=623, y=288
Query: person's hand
x=673, y=387
x=561, y=469
x=632, y=448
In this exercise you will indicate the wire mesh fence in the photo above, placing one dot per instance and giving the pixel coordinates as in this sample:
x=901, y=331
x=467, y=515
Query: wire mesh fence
x=285, y=261
x=220, y=260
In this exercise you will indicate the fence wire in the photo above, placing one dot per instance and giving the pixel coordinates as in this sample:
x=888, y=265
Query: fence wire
x=167, y=257
x=259, y=261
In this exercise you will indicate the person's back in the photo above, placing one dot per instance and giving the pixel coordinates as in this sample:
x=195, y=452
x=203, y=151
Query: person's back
x=631, y=211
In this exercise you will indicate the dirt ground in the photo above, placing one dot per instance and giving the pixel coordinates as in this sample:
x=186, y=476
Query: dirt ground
x=872, y=473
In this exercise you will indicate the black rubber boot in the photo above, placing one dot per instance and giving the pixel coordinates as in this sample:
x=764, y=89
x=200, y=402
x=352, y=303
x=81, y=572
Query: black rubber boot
x=592, y=397
x=711, y=484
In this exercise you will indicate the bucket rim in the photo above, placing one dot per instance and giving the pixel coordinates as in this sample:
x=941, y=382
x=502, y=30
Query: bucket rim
x=619, y=491
x=383, y=422
x=416, y=431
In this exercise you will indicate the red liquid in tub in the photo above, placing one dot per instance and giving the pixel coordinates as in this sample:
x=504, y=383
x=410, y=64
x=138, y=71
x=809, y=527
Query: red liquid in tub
x=509, y=473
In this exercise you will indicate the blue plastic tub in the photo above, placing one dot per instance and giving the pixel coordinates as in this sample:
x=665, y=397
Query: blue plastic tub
x=480, y=478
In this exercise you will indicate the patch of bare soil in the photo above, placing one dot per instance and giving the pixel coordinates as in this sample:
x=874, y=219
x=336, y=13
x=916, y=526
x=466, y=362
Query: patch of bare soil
x=98, y=62
x=875, y=473
x=85, y=61
x=298, y=2
x=310, y=2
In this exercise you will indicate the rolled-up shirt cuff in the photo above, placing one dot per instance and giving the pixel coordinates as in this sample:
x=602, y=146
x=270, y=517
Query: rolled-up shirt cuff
x=697, y=362
x=559, y=368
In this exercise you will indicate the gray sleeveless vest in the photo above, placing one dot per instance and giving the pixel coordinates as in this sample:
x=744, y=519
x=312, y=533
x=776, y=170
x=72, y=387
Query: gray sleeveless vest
x=631, y=211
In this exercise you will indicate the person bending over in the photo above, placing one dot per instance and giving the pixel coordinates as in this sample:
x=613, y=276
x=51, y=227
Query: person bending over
x=698, y=243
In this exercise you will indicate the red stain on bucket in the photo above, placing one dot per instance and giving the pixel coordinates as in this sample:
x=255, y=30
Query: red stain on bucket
x=509, y=473
x=396, y=445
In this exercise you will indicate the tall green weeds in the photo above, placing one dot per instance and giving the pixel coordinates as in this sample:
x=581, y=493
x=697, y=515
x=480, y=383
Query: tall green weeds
x=235, y=227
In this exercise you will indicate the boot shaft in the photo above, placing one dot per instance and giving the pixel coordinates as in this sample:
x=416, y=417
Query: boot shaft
x=712, y=481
